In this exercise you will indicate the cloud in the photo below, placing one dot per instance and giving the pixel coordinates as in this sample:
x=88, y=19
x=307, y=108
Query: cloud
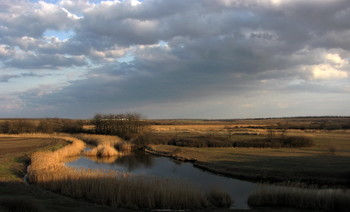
x=176, y=53
x=32, y=61
x=325, y=71
x=7, y=77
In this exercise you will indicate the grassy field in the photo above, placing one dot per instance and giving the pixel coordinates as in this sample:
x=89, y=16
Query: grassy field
x=15, y=151
x=325, y=163
x=18, y=196
x=315, y=177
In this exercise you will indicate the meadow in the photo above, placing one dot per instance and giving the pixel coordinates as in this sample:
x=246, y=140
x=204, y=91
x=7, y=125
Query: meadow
x=325, y=162
x=15, y=152
x=314, y=176
x=111, y=188
x=309, y=153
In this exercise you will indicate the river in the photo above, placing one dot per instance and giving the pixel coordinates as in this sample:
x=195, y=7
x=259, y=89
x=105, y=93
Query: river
x=144, y=163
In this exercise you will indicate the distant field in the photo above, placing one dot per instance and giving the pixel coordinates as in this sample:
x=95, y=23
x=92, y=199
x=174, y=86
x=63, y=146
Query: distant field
x=327, y=162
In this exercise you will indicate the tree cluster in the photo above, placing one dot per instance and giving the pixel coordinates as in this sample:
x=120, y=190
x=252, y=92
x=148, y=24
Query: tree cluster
x=126, y=126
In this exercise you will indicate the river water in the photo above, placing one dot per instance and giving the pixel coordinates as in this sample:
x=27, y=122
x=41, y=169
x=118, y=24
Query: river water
x=144, y=163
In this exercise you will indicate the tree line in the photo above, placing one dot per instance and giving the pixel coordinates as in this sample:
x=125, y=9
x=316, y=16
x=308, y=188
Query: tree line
x=127, y=126
x=49, y=125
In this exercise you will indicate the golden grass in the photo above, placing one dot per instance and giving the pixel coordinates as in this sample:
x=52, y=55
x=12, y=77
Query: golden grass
x=103, y=150
x=319, y=199
x=204, y=128
x=113, y=188
x=106, y=140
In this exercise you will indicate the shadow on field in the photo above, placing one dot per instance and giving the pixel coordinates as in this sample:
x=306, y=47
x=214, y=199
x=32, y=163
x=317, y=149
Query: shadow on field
x=17, y=196
x=330, y=171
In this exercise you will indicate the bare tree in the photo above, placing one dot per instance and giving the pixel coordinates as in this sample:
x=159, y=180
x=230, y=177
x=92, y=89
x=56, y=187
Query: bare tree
x=126, y=125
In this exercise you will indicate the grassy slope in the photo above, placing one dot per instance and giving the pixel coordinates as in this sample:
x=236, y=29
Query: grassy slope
x=327, y=162
x=14, y=154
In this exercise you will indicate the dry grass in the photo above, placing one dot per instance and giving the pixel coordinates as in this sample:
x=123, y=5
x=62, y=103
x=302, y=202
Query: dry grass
x=103, y=150
x=319, y=199
x=113, y=188
x=113, y=141
x=309, y=164
x=107, y=146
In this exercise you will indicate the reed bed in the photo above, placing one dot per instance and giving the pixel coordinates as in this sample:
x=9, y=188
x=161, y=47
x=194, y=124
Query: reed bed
x=301, y=198
x=103, y=150
x=113, y=188
x=114, y=141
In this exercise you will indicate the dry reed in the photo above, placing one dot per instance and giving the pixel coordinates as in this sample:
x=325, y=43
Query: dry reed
x=102, y=150
x=113, y=188
x=114, y=141
x=318, y=199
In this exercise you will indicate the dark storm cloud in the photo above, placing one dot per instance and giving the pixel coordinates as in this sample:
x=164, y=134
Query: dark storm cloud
x=182, y=50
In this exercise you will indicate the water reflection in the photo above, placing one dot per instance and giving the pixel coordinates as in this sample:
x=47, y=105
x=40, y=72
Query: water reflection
x=143, y=163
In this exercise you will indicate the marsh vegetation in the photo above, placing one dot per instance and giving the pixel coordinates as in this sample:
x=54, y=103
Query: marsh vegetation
x=302, y=198
x=302, y=150
x=113, y=188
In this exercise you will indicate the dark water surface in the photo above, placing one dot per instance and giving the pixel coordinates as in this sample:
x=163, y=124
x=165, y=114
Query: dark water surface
x=143, y=163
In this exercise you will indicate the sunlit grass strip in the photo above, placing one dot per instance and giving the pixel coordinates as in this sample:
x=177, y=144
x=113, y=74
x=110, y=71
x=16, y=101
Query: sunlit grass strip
x=319, y=199
x=113, y=188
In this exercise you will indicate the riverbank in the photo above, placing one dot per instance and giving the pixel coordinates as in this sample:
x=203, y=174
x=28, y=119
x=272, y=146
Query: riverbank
x=315, y=166
x=15, y=151
x=303, y=188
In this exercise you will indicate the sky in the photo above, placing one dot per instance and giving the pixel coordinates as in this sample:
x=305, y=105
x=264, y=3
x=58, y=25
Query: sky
x=204, y=59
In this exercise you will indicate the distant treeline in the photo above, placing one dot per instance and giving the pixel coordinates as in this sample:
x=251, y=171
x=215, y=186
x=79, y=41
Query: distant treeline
x=49, y=125
x=127, y=126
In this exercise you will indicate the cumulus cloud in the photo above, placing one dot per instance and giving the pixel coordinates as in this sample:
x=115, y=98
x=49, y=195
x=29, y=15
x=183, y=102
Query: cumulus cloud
x=147, y=54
